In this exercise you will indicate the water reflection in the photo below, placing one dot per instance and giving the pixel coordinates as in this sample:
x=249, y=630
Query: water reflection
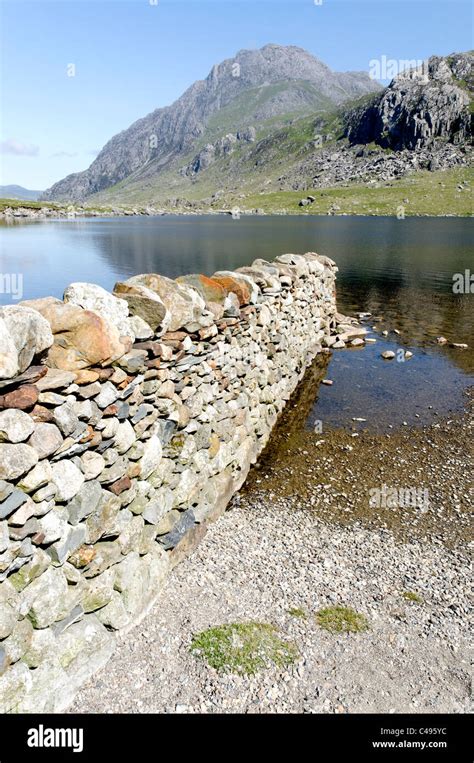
x=399, y=269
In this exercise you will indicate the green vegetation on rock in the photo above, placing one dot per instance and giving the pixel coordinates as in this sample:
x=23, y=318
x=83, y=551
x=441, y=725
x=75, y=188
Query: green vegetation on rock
x=243, y=648
x=297, y=612
x=341, y=620
x=412, y=596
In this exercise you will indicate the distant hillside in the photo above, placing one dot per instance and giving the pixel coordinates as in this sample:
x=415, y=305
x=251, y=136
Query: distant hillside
x=18, y=192
x=313, y=130
x=258, y=89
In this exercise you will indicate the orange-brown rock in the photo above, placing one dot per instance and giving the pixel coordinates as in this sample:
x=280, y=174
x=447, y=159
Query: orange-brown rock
x=124, y=483
x=209, y=289
x=42, y=414
x=82, y=338
x=87, y=376
x=23, y=398
x=240, y=288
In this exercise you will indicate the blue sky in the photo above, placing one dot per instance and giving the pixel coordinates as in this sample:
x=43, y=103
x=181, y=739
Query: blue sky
x=132, y=56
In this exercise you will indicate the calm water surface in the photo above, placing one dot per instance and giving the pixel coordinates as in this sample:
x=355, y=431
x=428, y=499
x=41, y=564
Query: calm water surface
x=399, y=270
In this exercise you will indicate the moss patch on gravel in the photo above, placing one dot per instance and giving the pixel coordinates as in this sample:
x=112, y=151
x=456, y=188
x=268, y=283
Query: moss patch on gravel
x=412, y=596
x=297, y=612
x=243, y=648
x=341, y=620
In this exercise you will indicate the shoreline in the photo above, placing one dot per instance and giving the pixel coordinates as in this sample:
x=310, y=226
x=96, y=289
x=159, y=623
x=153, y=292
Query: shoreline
x=278, y=558
x=24, y=214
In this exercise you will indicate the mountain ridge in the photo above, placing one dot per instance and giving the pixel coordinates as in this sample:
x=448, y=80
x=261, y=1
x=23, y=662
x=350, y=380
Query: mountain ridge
x=172, y=130
x=13, y=191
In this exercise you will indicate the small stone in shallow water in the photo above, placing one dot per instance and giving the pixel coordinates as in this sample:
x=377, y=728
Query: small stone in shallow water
x=388, y=354
x=442, y=340
x=459, y=345
x=328, y=382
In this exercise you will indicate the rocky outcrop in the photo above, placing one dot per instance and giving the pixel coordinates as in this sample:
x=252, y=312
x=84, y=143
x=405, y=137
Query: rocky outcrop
x=420, y=107
x=110, y=474
x=151, y=143
x=222, y=147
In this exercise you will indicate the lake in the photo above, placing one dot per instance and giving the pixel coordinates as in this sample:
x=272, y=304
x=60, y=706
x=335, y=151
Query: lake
x=401, y=271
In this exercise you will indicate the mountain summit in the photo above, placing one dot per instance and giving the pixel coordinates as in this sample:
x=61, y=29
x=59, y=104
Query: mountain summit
x=276, y=83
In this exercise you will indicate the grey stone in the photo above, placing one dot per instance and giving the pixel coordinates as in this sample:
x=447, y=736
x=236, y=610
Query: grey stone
x=107, y=554
x=70, y=542
x=66, y=419
x=184, y=523
x=42, y=645
x=90, y=390
x=139, y=579
x=92, y=464
x=51, y=398
x=30, y=527
x=4, y=538
x=40, y=475
x=43, y=599
x=38, y=564
x=31, y=333
x=15, y=425
x=114, y=615
x=108, y=395
x=99, y=591
x=115, y=471
x=73, y=617
x=46, y=439
x=9, y=602
x=17, y=643
x=140, y=328
x=124, y=437
x=93, y=297
x=161, y=504
x=151, y=458
x=14, y=685
x=53, y=524
x=55, y=379
x=68, y=480
x=15, y=460
x=13, y=500
x=23, y=513
x=9, y=366
x=84, y=502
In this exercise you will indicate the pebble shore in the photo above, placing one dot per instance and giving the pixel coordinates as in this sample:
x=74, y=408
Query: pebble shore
x=273, y=553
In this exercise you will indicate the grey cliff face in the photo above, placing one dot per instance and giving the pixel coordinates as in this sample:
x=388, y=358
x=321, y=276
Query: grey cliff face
x=419, y=107
x=168, y=132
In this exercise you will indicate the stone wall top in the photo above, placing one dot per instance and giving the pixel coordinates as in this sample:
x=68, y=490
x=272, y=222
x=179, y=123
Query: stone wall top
x=91, y=327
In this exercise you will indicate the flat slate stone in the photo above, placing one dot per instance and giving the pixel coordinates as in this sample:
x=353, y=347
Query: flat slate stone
x=30, y=376
x=184, y=523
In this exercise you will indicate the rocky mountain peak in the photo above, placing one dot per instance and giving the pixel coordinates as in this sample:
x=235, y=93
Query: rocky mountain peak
x=289, y=78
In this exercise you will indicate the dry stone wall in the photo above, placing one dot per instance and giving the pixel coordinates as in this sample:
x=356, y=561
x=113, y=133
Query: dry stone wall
x=127, y=422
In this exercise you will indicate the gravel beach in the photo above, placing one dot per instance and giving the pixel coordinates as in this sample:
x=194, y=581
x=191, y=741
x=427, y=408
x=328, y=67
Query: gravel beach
x=281, y=549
